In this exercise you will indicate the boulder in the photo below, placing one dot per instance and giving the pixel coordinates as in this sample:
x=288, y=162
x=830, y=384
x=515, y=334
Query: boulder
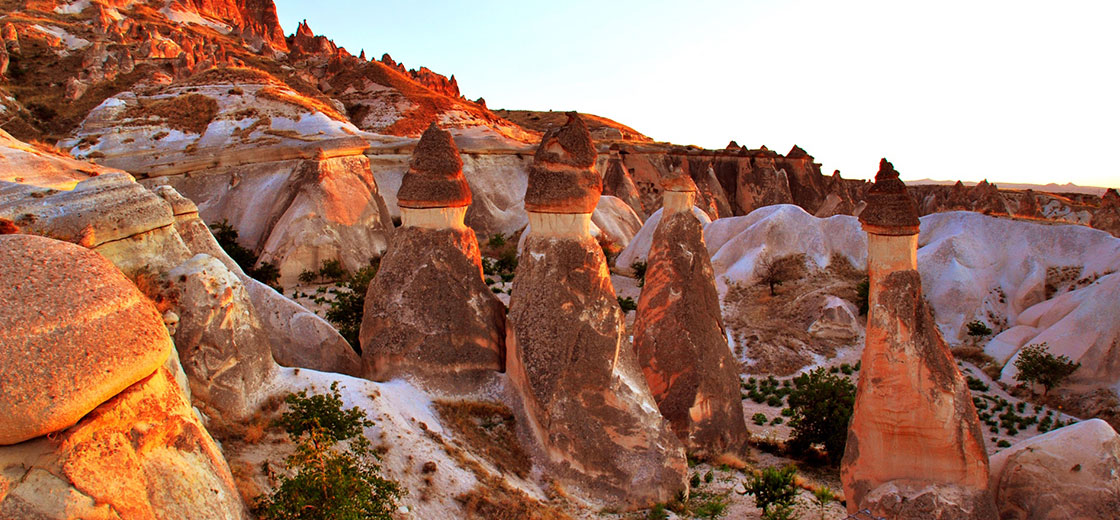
x=223, y=348
x=1071, y=472
x=75, y=332
x=143, y=454
x=680, y=339
x=925, y=500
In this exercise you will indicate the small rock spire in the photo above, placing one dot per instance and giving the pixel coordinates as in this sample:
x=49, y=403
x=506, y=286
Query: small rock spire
x=890, y=209
x=562, y=178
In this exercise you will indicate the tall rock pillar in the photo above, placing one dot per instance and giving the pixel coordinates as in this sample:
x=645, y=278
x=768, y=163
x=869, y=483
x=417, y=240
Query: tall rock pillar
x=586, y=401
x=428, y=312
x=914, y=446
x=679, y=335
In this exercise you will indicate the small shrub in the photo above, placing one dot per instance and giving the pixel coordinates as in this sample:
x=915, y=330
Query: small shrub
x=627, y=304
x=345, y=311
x=977, y=328
x=1003, y=444
x=657, y=512
x=822, y=406
x=823, y=496
x=708, y=505
x=308, y=276
x=337, y=475
x=694, y=482
x=1037, y=365
x=976, y=384
x=639, y=268
x=863, y=290
x=846, y=369
x=708, y=477
x=759, y=418
x=773, y=491
x=227, y=236
x=497, y=240
x=332, y=270
x=776, y=421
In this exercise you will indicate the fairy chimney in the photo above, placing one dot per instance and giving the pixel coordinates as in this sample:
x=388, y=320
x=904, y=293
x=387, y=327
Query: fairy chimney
x=586, y=401
x=914, y=428
x=679, y=336
x=618, y=183
x=428, y=313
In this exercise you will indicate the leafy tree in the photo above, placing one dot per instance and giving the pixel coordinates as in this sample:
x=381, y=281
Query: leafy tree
x=627, y=304
x=346, y=310
x=226, y=236
x=978, y=329
x=337, y=475
x=1037, y=365
x=773, y=492
x=822, y=405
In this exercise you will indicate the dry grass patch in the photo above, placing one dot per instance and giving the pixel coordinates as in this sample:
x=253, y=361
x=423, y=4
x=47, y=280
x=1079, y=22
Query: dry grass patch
x=976, y=355
x=489, y=431
x=505, y=503
x=189, y=113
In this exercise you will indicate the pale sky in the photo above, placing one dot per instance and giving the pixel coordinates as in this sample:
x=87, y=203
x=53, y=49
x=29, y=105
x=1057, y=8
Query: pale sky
x=1016, y=91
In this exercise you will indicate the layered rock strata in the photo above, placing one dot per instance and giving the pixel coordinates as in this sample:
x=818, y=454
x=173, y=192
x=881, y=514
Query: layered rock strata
x=679, y=335
x=914, y=426
x=428, y=312
x=586, y=401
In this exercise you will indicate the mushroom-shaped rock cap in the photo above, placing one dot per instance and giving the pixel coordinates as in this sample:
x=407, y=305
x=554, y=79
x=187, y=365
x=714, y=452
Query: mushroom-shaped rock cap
x=435, y=174
x=678, y=180
x=74, y=332
x=562, y=178
x=890, y=209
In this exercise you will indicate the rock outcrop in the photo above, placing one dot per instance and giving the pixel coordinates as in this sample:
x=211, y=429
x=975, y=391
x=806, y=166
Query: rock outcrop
x=679, y=335
x=1071, y=472
x=914, y=424
x=1028, y=206
x=587, y=404
x=617, y=183
x=75, y=332
x=428, y=312
x=1107, y=216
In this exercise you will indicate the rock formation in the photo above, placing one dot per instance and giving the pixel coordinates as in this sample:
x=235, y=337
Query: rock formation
x=428, y=312
x=617, y=183
x=91, y=351
x=679, y=335
x=587, y=403
x=78, y=345
x=1028, y=206
x=1071, y=472
x=914, y=426
x=1107, y=216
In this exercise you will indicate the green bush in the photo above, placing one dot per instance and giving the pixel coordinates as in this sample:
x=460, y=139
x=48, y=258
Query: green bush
x=759, y=418
x=332, y=270
x=345, y=311
x=337, y=475
x=773, y=492
x=497, y=240
x=822, y=405
x=978, y=328
x=822, y=496
x=639, y=268
x=863, y=290
x=627, y=304
x=1037, y=365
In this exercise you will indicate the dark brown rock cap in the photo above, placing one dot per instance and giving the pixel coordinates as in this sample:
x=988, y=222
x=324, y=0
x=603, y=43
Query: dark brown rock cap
x=890, y=209
x=435, y=174
x=562, y=178
x=678, y=180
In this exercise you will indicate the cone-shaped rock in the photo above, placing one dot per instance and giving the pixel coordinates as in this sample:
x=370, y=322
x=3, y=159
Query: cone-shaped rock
x=586, y=401
x=679, y=335
x=914, y=427
x=435, y=174
x=618, y=183
x=428, y=312
x=562, y=178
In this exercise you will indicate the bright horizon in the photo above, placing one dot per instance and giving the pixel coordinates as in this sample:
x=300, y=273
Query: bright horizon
x=1012, y=92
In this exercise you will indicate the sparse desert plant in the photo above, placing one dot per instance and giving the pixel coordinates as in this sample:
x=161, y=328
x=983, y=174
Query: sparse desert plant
x=759, y=418
x=1037, y=365
x=708, y=505
x=977, y=328
x=627, y=304
x=863, y=291
x=332, y=270
x=773, y=491
x=345, y=311
x=822, y=496
x=639, y=267
x=497, y=240
x=822, y=405
x=337, y=474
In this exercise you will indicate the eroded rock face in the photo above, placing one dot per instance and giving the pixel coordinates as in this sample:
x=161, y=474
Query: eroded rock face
x=563, y=178
x=617, y=183
x=914, y=417
x=588, y=403
x=142, y=454
x=74, y=332
x=681, y=344
x=223, y=348
x=429, y=314
x=923, y=500
x=1107, y=216
x=1071, y=472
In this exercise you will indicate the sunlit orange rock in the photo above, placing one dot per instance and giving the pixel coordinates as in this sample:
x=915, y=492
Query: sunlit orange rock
x=73, y=333
x=679, y=335
x=428, y=312
x=914, y=426
x=618, y=183
x=586, y=401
